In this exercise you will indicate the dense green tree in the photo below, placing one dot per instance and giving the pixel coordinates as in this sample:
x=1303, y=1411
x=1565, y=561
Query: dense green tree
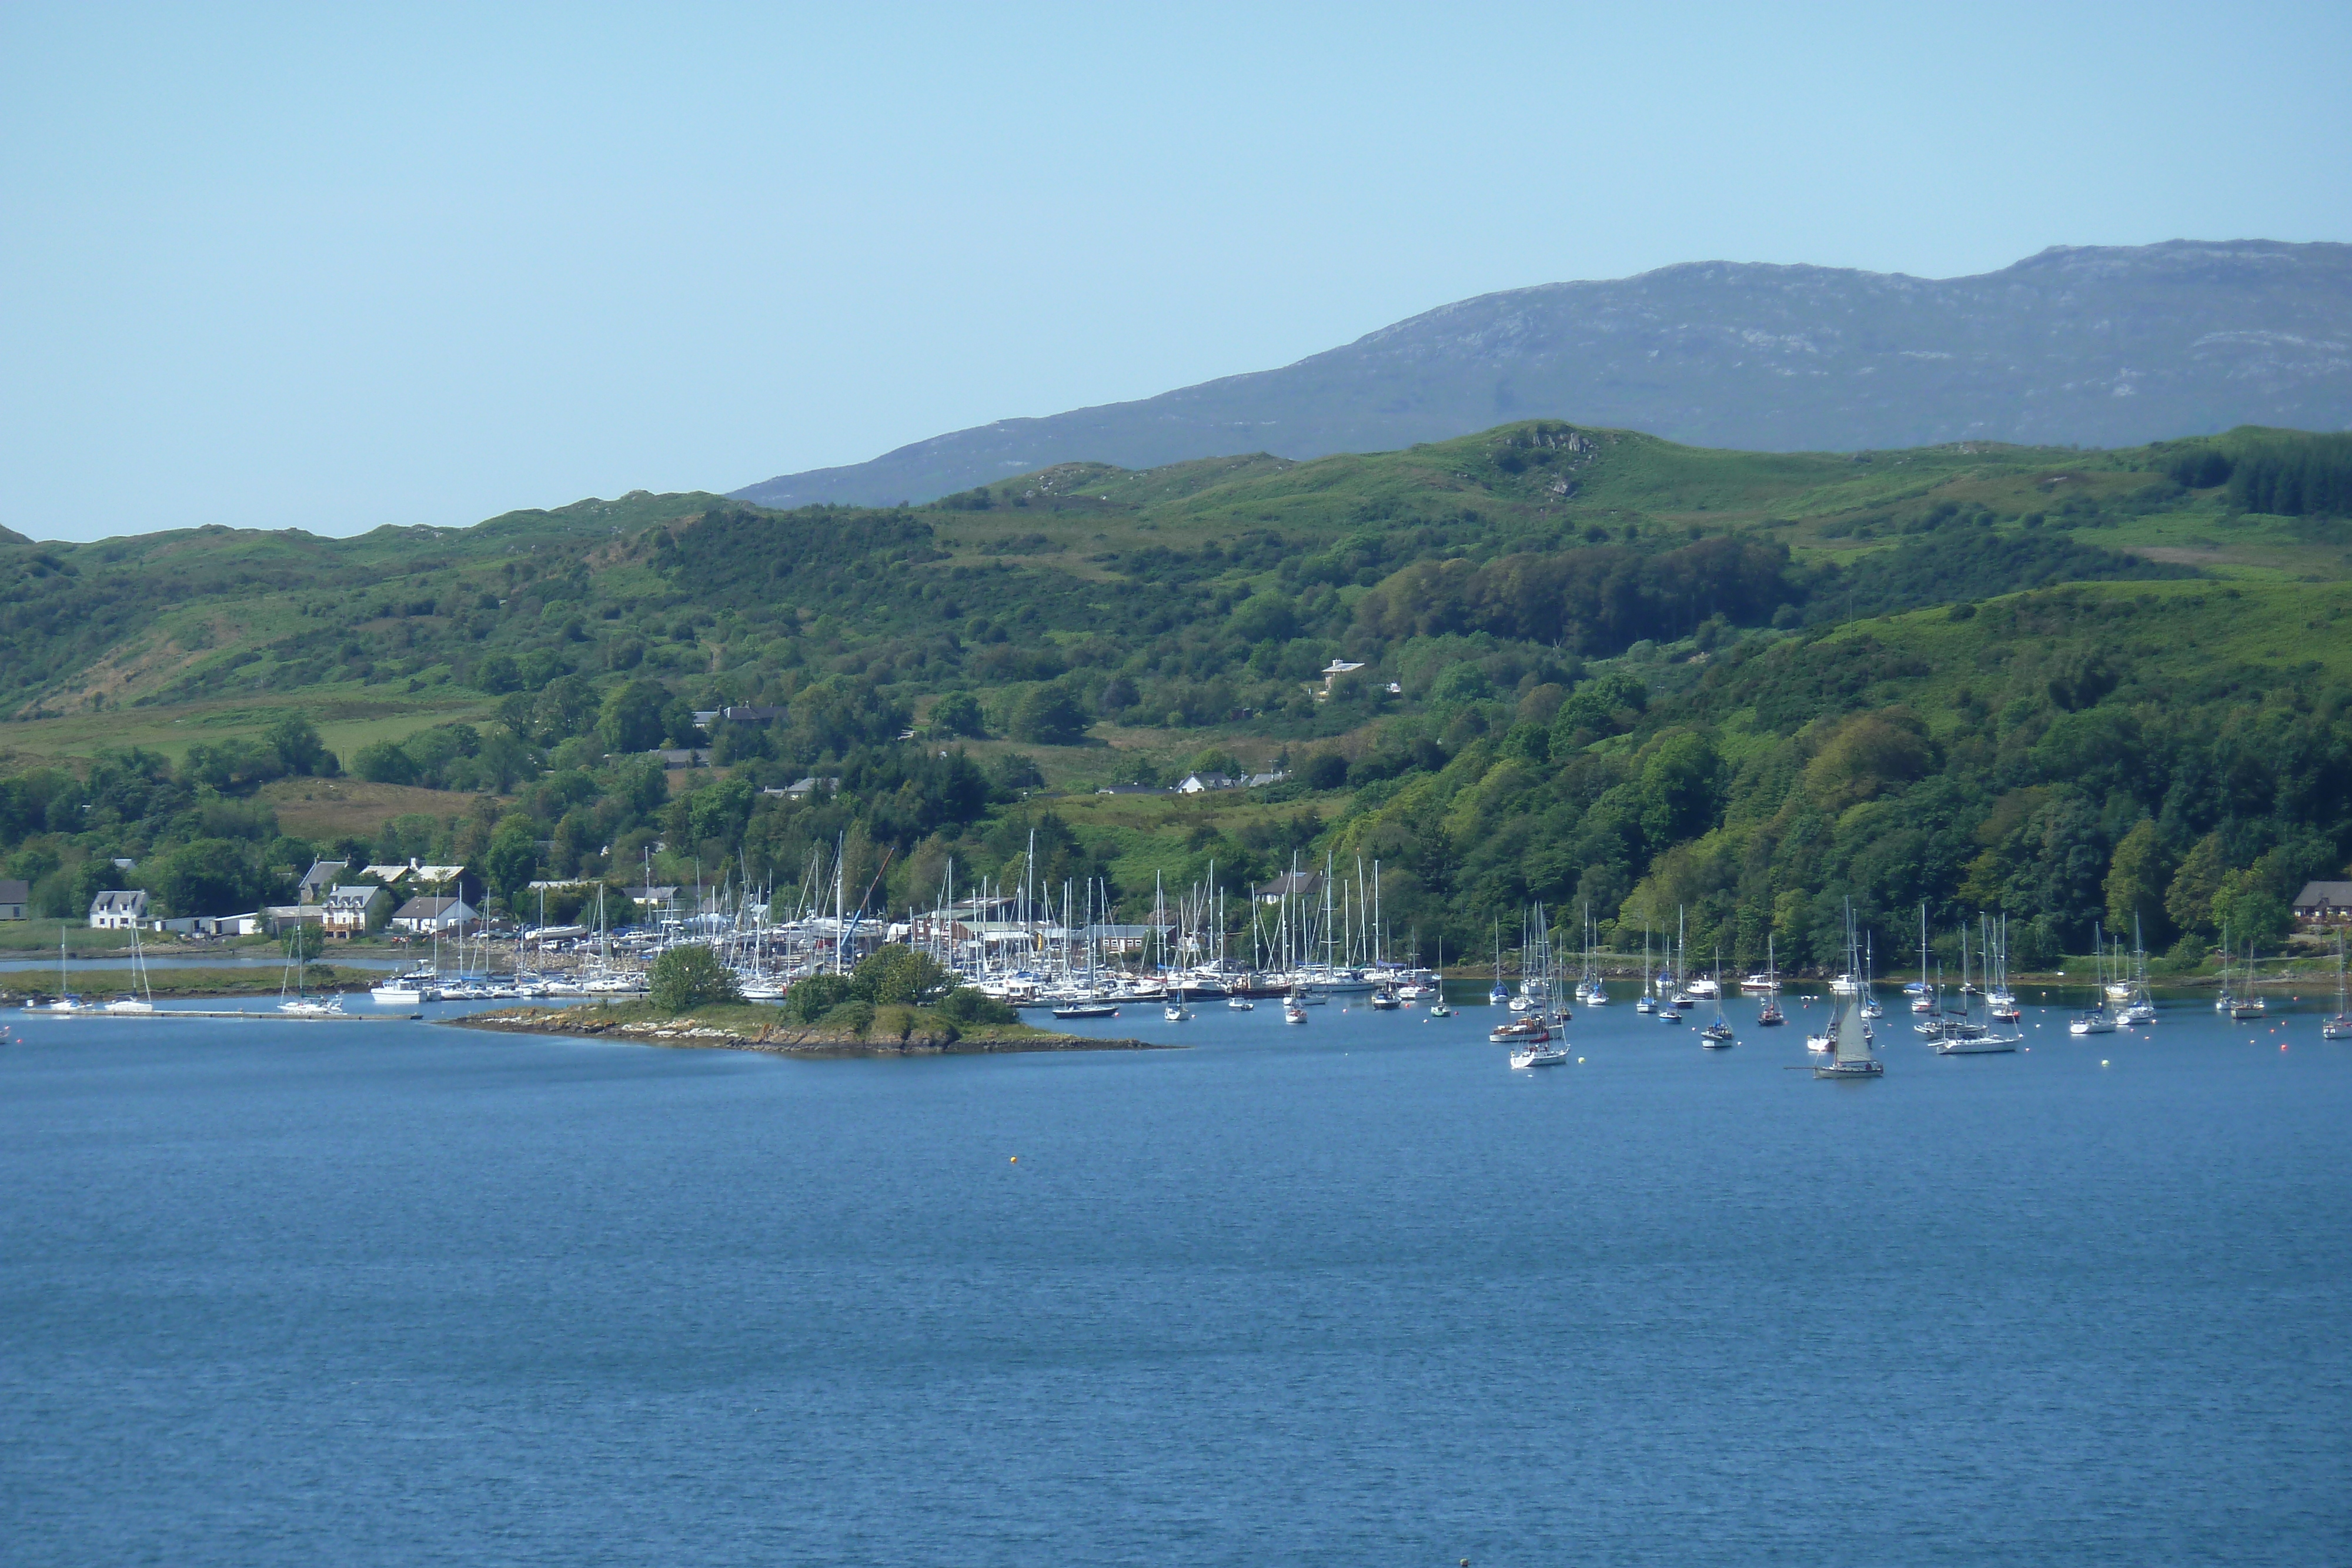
x=513, y=857
x=1049, y=716
x=295, y=740
x=1681, y=787
x=958, y=712
x=690, y=976
x=2138, y=877
x=631, y=719
x=814, y=996
x=208, y=876
x=897, y=974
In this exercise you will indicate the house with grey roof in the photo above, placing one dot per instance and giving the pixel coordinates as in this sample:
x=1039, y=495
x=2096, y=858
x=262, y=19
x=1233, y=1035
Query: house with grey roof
x=118, y=909
x=354, y=910
x=316, y=881
x=2324, y=903
x=425, y=915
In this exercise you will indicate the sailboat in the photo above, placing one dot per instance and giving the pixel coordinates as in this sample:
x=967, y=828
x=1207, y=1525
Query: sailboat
x=140, y=996
x=1968, y=1035
x=1500, y=995
x=2001, y=1002
x=301, y=1004
x=1648, y=1001
x=2118, y=985
x=2249, y=1006
x=2139, y=1007
x=67, y=1002
x=1533, y=1024
x=1870, y=1008
x=1437, y=1006
x=2223, y=1000
x=1770, y=1015
x=2341, y=1026
x=1539, y=1054
x=1849, y=1054
x=1592, y=990
x=1718, y=1035
x=1923, y=1000
x=1686, y=990
x=1292, y=1010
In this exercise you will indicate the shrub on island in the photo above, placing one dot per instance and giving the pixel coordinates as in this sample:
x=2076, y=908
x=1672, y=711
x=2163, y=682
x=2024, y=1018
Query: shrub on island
x=689, y=976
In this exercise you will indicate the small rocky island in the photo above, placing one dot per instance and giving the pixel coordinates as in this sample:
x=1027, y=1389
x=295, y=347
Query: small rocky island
x=898, y=1002
x=892, y=1031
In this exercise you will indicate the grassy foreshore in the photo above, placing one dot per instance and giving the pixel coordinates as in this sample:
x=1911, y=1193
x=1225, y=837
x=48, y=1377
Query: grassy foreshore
x=180, y=985
x=894, y=1031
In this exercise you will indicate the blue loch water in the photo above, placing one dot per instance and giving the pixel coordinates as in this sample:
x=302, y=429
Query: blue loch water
x=1351, y=1293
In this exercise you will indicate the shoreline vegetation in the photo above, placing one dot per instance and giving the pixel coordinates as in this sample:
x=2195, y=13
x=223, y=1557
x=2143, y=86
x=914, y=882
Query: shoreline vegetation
x=750, y=1026
x=180, y=985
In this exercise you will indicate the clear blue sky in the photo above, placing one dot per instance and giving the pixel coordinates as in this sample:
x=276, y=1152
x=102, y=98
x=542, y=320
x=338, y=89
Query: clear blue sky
x=283, y=268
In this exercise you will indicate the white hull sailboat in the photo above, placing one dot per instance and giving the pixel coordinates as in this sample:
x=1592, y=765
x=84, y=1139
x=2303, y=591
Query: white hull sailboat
x=2341, y=1026
x=140, y=996
x=1848, y=1055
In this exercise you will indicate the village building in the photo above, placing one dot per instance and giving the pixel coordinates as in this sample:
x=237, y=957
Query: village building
x=2324, y=903
x=1291, y=885
x=15, y=899
x=118, y=909
x=319, y=880
x=354, y=910
x=431, y=914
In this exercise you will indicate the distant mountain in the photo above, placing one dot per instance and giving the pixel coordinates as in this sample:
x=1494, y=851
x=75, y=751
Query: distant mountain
x=2094, y=346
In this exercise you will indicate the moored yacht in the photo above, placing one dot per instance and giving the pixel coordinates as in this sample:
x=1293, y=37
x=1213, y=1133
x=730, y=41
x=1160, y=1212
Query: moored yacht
x=1848, y=1054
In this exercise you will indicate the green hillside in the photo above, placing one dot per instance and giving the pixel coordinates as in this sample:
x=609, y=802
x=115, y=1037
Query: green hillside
x=1556, y=610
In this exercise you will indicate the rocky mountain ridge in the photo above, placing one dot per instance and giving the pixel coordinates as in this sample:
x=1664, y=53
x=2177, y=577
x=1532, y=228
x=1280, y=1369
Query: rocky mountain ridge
x=2093, y=346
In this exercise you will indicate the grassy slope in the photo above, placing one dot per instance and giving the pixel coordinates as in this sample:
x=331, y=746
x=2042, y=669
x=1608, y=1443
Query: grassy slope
x=235, y=592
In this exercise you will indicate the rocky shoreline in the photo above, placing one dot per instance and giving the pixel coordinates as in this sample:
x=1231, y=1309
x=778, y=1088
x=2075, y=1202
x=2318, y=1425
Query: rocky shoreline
x=781, y=1038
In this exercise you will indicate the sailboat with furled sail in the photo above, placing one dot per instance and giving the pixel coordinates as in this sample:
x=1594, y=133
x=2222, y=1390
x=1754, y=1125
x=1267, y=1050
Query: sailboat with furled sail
x=2341, y=1026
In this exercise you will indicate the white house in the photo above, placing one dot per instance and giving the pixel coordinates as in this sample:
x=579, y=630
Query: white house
x=428, y=915
x=249, y=924
x=425, y=875
x=118, y=909
x=1201, y=783
x=1332, y=672
x=351, y=911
